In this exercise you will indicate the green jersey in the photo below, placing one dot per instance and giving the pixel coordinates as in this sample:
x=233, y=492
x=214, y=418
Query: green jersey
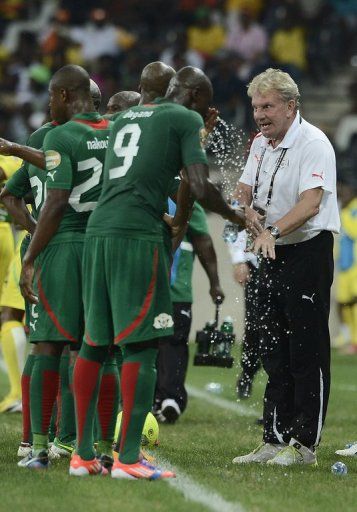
x=182, y=265
x=148, y=146
x=75, y=153
x=30, y=178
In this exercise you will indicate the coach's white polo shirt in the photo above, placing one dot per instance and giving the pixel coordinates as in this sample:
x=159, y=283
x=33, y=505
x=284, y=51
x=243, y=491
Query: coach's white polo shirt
x=309, y=162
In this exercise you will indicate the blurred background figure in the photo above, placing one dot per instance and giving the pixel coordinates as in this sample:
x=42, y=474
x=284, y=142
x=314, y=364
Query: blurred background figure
x=171, y=396
x=346, y=288
x=245, y=272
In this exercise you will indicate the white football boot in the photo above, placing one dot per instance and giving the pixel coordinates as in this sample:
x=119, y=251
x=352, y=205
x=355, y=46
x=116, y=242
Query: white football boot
x=294, y=454
x=261, y=454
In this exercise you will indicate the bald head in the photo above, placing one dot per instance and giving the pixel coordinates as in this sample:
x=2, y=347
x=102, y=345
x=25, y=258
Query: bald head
x=122, y=101
x=71, y=77
x=70, y=93
x=192, y=88
x=154, y=80
x=95, y=93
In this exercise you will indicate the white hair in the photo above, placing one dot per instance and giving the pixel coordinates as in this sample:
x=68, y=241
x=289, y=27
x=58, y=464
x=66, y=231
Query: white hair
x=275, y=80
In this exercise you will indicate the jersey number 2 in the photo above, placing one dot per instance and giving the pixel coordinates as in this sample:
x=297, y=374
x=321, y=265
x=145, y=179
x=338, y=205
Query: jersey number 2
x=128, y=152
x=75, y=197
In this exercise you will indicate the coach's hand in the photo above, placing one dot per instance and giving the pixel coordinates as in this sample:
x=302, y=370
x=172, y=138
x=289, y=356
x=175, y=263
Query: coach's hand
x=26, y=280
x=253, y=221
x=265, y=244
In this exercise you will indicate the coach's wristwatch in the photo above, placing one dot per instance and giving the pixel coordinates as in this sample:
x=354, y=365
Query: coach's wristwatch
x=274, y=231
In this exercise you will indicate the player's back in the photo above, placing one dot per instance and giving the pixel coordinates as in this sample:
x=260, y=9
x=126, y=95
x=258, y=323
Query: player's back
x=75, y=154
x=148, y=146
x=30, y=178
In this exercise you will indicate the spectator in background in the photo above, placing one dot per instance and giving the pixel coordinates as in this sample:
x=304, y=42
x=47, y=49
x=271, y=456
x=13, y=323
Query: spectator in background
x=99, y=37
x=245, y=272
x=347, y=126
x=247, y=38
x=205, y=36
x=288, y=45
x=178, y=55
x=255, y=6
x=229, y=91
x=56, y=46
x=346, y=289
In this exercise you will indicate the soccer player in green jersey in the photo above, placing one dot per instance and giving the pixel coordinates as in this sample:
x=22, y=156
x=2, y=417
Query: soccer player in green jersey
x=125, y=267
x=31, y=180
x=122, y=101
x=26, y=180
x=74, y=160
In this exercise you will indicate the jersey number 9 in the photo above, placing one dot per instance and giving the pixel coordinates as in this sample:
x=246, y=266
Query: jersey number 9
x=128, y=152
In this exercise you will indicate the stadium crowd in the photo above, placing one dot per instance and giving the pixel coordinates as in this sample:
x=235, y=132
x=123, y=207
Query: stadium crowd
x=231, y=40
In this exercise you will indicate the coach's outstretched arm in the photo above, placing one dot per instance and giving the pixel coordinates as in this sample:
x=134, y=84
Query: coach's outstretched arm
x=33, y=156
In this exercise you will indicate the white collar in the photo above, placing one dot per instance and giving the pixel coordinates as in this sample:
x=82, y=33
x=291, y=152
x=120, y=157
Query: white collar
x=290, y=136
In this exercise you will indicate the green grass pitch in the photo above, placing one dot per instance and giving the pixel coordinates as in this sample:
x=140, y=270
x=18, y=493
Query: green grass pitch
x=201, y=446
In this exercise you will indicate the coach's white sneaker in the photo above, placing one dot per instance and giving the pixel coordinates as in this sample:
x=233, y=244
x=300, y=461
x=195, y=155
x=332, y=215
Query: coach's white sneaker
x=261, y=454
x=294, y=454
x=351, y=451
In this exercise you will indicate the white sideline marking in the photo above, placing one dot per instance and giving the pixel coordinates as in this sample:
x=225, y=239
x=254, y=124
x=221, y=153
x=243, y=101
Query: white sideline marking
x=229, y=405
x=196, y=492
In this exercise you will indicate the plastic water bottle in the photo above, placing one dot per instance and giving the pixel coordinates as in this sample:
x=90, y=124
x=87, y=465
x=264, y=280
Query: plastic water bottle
x=223, y=343
x=231, y=230
x=339, y=468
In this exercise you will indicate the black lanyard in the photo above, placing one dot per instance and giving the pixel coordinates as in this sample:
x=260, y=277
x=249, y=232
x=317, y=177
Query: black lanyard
x=278, y=164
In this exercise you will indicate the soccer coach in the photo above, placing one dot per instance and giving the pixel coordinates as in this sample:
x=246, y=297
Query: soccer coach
x=290, y=178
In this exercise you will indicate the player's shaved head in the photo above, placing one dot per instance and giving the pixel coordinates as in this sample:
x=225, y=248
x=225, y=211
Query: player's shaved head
x=122, y=101
x=154, y=80
x=70, y=93
x=192, y=88
x=72, y=78
x=95, y=93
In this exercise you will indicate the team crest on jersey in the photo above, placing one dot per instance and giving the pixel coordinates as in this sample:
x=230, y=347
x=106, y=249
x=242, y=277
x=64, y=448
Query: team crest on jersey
x=163, y=321
x=53, y=159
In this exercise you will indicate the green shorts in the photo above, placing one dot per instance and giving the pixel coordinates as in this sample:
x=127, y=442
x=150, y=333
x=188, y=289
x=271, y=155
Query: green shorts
x=58, y=284
x=126, y=290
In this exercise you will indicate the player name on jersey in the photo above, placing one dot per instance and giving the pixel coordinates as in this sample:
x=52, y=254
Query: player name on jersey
x=97, y=144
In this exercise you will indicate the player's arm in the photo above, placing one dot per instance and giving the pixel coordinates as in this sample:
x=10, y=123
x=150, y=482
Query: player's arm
x=47, y=226
x=18, y=210
x=13, y=197
x=33, y=156
x=184, y=204
x=203, y=247
x=59, y=185
x=208, y=195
